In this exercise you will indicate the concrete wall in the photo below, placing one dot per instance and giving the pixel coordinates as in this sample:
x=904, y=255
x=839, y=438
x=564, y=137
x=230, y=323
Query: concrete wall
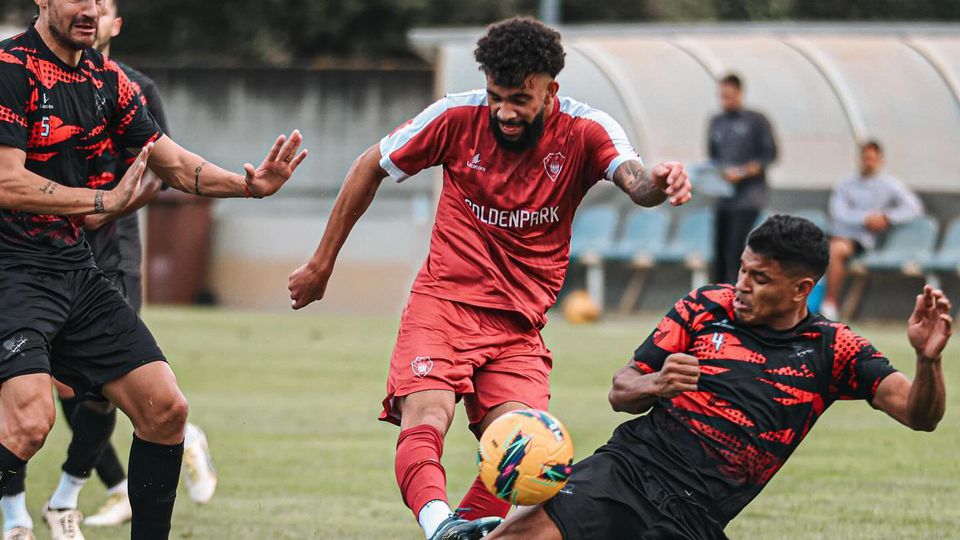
x=232, y=117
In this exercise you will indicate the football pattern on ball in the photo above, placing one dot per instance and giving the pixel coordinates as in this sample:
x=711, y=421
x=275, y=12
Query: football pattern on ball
x=525, y=457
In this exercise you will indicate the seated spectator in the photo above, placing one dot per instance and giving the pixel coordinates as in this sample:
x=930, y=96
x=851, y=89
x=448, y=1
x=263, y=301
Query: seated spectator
x=862, y=206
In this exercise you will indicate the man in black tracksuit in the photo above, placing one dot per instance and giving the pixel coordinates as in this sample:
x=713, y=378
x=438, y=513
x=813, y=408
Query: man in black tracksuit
x=742, y=145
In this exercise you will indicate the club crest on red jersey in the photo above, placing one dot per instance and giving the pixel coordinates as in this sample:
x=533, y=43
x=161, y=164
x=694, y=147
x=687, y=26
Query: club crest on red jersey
x=421, y=366
x=553, y=164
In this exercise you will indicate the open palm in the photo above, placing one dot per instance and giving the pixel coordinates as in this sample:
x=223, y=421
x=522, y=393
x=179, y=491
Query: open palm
x=930, y=326
x=277, y=167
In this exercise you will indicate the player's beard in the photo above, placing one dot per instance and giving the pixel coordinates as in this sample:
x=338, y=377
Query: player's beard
x=63, y=38
x=529, y=137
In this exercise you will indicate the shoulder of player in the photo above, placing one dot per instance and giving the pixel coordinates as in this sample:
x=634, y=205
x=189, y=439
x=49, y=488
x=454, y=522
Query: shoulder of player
x=136, y=75
x=709, y=302
x=593, y=123
x=14, y=52
x=464, y=105
x=844, y=340
x=470, y=99
x=580, y=111
x=720, y=294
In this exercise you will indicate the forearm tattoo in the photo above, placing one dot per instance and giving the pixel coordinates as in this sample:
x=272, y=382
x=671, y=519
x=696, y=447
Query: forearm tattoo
x=635, y=180
x=196, y=178
x=49, y=188
x=98, y=202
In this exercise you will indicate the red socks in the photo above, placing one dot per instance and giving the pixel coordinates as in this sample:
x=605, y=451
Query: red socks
x=419, y=473
x=479, y=502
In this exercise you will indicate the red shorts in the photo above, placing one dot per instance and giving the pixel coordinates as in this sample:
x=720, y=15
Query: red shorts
x=486, y=356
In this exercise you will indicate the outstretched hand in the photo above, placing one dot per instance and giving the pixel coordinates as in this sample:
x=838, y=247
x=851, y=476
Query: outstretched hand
x=117, y=199
x=672, y=179
x=277, y=167
x=930, y=326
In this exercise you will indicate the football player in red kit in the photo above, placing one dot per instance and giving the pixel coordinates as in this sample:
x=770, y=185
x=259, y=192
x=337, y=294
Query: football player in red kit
x=517, y=160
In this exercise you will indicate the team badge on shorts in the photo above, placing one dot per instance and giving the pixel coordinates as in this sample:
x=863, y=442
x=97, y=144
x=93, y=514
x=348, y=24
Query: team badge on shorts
x=553, y=164
x=14, y=345
x=421, y=366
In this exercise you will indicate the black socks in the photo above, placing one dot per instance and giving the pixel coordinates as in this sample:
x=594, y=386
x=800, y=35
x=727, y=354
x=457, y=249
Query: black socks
x=12, y=468
x=154, y=472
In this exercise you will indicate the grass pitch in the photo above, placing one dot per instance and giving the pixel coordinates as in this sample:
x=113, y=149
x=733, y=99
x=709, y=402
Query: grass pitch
x=289, y=403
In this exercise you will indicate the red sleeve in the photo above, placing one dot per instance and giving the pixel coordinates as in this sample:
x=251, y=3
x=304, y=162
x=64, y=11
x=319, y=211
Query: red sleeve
x=607, y=144
x=858, y=368
x=419, y=143
x=672, y=335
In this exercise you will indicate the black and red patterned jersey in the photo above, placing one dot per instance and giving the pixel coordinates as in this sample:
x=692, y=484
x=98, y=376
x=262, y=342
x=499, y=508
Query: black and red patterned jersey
x=116, y=246
x=760, y=392
x=65, y=118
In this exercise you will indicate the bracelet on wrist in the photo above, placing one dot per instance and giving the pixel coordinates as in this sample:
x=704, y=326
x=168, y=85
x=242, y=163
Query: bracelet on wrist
x=98, y=202
x=248, y=193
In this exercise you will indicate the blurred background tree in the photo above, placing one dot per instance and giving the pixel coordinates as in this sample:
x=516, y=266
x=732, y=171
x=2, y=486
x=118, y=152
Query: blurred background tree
x=318, y=32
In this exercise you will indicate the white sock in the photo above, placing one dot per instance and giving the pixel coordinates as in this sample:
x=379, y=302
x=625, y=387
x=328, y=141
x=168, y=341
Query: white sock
x=67, y=493
x=119, y=488
x=15, y=512
x=432, y=515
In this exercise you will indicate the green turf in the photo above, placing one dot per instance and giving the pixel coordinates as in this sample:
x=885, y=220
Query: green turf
x=289, y=403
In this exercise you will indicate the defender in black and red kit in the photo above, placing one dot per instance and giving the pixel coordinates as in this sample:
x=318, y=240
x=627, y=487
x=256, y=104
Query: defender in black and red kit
x=62, y=106
x=733, y=379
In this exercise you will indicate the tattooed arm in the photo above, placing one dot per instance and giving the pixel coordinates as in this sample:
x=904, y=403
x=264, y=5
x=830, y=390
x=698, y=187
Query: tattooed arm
x=667, y=179
x=20, y=189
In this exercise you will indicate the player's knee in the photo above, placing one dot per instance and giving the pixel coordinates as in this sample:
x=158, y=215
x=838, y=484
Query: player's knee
x=420, y=409
x=166, y=421
x=31, y=431
x=436, y=417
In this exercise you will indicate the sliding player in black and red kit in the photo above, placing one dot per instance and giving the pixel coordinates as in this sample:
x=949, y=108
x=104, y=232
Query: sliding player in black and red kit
x=734, y=378
x=62, y=105
x=517, y=161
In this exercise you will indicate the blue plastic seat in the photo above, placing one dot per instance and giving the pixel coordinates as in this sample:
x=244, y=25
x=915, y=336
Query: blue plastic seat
x=692, y=242
x=593, y=231
x=947, y=258
x=907, y=246
x=644, y=236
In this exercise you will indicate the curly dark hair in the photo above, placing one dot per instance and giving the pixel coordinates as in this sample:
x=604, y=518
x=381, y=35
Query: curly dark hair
x=513, y=49
x=796, y=243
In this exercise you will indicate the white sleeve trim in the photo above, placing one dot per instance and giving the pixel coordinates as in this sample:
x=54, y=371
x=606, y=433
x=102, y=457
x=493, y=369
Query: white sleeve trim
x=403, y=135
x=395, y=172
x=615, y=131
x=617, y=162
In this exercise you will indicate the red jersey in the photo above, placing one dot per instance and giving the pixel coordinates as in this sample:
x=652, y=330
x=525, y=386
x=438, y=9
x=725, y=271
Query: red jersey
x=502, y=233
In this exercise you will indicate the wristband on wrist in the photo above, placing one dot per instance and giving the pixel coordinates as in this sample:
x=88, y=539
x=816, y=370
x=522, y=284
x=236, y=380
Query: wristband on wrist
x=248, y=193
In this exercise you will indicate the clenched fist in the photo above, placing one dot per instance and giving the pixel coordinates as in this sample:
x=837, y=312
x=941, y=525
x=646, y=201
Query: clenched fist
x=680, y=373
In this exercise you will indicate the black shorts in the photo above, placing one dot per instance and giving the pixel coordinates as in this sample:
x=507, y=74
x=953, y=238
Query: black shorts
x=130, y=286
x=610, y=498
x=75, y=325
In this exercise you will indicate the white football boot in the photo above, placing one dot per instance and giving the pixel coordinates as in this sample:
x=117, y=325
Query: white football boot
x=199, y=474
x=19, y=533
x=64, y=524
x=115, y=511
